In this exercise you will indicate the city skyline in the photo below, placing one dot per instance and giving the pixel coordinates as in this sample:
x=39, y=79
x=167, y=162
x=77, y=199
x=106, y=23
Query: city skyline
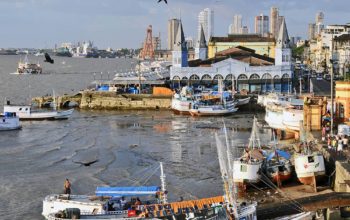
x=120, y=24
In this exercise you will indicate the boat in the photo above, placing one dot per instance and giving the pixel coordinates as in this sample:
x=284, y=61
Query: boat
x=274, y=116
x=57, y=207
x=235, y=207
x=28, y=68
x=182, y=102
x=9, y=121
x=278, y=166
x=25, y=112
x=309, y=167
x=292, y=115
x=247, y=168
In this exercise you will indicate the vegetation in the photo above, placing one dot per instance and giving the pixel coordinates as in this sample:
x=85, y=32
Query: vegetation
x=297, y=52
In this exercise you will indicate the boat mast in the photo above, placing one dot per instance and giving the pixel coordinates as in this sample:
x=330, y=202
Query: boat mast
x=231, y=182
x=163, y=184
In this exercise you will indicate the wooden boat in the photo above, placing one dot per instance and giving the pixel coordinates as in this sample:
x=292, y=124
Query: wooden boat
x=278, y=166
x=9, y=121
x=309, y=167
x=25, y=112
x=181, y=104
x=247, y=167
x=243, y=101
x=28, y=68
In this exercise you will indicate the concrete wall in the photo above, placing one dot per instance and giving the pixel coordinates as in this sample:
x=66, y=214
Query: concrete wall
x=342, y=177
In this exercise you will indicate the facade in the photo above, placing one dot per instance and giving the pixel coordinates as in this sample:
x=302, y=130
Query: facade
x=206, y=20
x=342, y=54
x=173, y=25
x=243, y=68
x=245, y=30
x=262, y=25
x=261, y=45
x=311, y=33
x=190, y=42
x=180, y=51
x=342, y=94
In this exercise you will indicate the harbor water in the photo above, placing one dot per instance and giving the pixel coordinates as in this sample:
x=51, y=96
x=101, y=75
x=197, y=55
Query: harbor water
x=36, y=160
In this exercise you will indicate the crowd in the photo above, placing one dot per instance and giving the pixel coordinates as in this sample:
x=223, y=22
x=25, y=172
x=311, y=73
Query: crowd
x=337, y=143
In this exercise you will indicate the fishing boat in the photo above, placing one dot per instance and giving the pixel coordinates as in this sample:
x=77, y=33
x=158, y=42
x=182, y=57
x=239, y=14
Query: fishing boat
x=25, y=112
x=213, y=105
x=9, y=121
x=292, y=115
x=274, y=116
x=182, y=102
x=237, y=209
x=59, y=207
x=243, y=101
x=26, y=67
x=278, y=166
x=309, y=167
x=247, y=168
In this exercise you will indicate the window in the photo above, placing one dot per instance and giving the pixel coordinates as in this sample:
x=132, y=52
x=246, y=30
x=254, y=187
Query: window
x=311, y=159
x=243, y=168
x=20, y=109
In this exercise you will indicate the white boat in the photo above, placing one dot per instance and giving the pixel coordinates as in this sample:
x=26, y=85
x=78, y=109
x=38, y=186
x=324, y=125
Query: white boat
x=213, y=110
x=247, y=167
x=274, y=116
x=292, y=118
x=182, y=102
x=25, y=112
x=309, y=167
x=28, y=68
x=9, y=121
x=235, y=208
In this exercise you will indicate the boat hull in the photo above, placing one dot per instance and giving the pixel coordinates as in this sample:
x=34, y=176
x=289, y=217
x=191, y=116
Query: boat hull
x=309, y=167
x=274, y=118
x=243, y=101
x=292, y=118
x=25, y=113
x=181, y=107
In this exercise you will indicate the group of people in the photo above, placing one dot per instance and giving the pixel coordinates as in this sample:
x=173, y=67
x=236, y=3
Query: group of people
x=121, y=204
x=337, y=143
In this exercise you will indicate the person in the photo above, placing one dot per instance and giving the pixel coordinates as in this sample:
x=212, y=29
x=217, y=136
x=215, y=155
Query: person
x=67, y=186
x=323, y=133
x=138, y=201
x=340, y=146
x=122, y=202
x=329, y=142
x=345, y=142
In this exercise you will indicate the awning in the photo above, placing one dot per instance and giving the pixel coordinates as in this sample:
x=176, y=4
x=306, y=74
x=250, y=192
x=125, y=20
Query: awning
x=127, y=191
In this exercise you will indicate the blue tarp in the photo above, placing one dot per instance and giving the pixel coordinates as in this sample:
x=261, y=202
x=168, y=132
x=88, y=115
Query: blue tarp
x=103, y=88
x=126, y=191
x=281, y=153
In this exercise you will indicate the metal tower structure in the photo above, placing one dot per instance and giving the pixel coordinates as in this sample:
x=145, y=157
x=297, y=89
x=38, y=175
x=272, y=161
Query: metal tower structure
x=148, y=49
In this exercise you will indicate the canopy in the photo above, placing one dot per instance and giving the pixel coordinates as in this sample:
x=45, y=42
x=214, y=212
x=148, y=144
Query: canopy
x=127, y=191
x=280, y=153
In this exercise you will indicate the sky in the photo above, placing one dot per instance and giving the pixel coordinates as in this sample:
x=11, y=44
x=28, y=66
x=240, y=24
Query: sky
x=123, y=23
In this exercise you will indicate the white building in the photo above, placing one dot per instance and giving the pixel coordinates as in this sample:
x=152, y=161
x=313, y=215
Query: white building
x=206, y=20
x=246, y=69
x=201, y=50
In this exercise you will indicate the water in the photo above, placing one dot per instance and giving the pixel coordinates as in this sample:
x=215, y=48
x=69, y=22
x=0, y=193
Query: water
x=36, y=160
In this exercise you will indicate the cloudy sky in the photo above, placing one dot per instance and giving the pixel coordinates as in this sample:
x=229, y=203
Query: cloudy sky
x=122, y=23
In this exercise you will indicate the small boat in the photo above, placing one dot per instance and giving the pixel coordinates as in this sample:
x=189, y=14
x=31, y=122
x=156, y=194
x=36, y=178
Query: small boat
x=213, y=106
x=309, y=167
x=248, y=166
x=28, y=68
x=9, y=121
x=278, y=166
x=182, y=102
x=25, y=112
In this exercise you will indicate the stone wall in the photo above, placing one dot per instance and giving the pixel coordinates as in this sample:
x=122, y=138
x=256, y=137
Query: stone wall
x=109, y=100
x=342, y=177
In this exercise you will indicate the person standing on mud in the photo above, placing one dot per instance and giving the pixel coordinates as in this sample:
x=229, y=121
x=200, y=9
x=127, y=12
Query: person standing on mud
x=67, y=187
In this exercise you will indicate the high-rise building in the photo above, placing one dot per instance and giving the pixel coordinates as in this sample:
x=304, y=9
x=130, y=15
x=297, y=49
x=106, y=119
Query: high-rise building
x=237, y=24
x=311, y=31
x=230, y=29
x=274, y=22
x=206, y=20
x=319, y=17
x=173, y=25
x=262, y=25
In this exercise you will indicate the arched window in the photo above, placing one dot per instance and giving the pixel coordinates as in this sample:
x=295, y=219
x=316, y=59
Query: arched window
x=230, y=77
x=276, y=77
x=206, y=77
x=285, y=76
x=242, y=77
x=194, y=77
x=218, y=76
x=184, y=78
x=176, y=78
x=254, y=76
x=266, y=76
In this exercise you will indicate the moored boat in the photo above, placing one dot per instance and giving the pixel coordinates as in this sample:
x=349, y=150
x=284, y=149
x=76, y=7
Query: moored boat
x=9, y=121
x=25, y=112
x=309, y=167
x=28, y=68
